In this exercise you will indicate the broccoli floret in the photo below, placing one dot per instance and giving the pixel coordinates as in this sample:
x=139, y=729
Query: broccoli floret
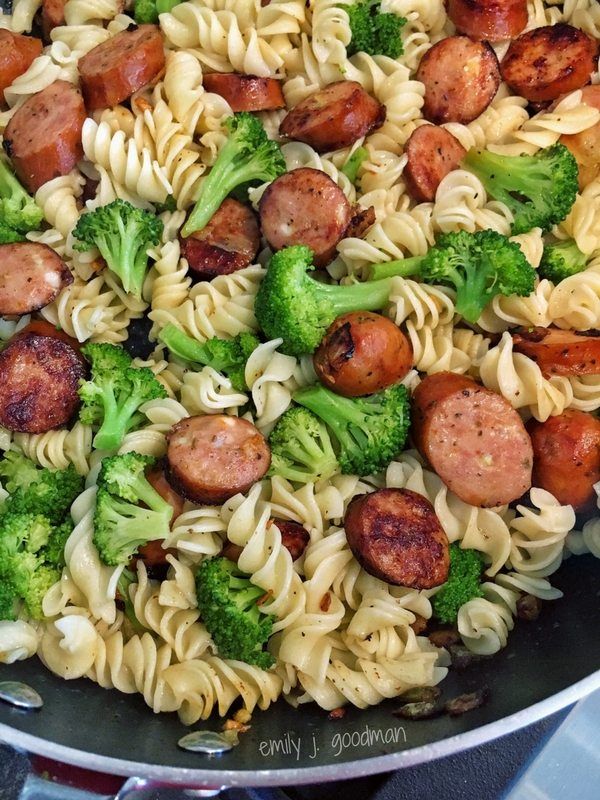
x=147, y=11
x=122, y=233
x=120, y=525
x=301, y=448
x=229, y=608
x=53, y=551
x=374, y=32
x=228, y=356
x=18, y=210
x=8, y=235
x=560, y=260
x=292, y=305
x=539, y=190
x=477, y=265
x=370, y=431
x=26, y=571
x=113, y=395
x=247, y=155
x=36, y=490
x=353, y=164
x=463, y=584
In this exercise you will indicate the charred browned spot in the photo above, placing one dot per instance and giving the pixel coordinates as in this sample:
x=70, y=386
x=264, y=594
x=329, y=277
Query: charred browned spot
x=294, y=537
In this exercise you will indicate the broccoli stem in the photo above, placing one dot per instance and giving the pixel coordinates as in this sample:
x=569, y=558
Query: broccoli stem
x=224, y=176
x=402, y=268
x=182, y=345
x=9, y=185
x=369, y=296
x=115, y=423
x=335, y=410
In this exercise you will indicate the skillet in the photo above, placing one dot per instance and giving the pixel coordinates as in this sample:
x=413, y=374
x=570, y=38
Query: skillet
x=547, y=665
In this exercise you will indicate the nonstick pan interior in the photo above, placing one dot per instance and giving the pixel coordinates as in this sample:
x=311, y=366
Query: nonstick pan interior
x=285, y=745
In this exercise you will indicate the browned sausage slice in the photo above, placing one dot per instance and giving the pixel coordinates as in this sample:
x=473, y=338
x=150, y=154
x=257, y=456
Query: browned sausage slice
x=360, y=222
x=305, y=206
x=432, y=153
x=43, y=138
x=39, y=379
x=461, y=78
x=16, y=55
x=585, y=146
x=53, y=15
x=115, y=69
x=473, y=438
x=396, y=536
x=31, y=276
x=229, y=242
x=362, y=353
x=491, y=20
x=246, y=92
x=558, y=352
x=294, y=537
x=154, y=556
x=211, y=458
x=334, y=117
x=566, y=457
x=546, y=62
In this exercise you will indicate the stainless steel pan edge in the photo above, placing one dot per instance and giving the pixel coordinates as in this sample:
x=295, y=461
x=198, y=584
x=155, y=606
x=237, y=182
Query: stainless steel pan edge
x=281, y=777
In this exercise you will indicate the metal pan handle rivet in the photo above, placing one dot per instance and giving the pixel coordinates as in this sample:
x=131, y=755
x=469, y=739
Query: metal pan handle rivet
x=20, y=695
x=208, y=742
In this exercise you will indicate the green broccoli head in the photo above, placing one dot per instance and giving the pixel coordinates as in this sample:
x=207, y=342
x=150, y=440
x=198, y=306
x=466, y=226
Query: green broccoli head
x=227, y=356
x=18, y=210
x=122, y=233
x=369, y=431
x=463, y=584
x=539, y=189
x=247, y=155
x=560, y=260
x=8, y=235
x=112, y=397
x=478, y=266
x=301, y=448
x=295, y=307
x=229, y=607
x=373, y=31
x=147, y=11
x=53, y=551
x=121, y=526
x=36, y=490
x=25, y=573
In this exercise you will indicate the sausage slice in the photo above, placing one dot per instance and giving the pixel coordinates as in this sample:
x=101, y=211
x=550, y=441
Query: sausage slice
x=432, y=153
x=31, y=276
x=558, y=352
x=461, y=78
x=154, y=556
x=53, y=15
x=157, y=479
x=112, y=71
x=16, y=55
x=566, y=457
x=43, y=138
x=229, y=242
x=396, y=536
x=473, y=438
x=491, y=20
x=305, y=206
x=585, y=146
x=246, y=92
x=334, y=117
x=360, y=222
x=294, y=537
x=39, y=379
x=211, y=458
x=546, y=62
x=362, y=353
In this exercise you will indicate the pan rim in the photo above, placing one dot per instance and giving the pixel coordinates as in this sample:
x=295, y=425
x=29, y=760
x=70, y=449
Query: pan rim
x=302, y=775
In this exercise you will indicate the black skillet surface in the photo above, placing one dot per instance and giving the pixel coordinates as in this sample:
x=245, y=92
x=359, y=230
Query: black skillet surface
x=541, y=659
